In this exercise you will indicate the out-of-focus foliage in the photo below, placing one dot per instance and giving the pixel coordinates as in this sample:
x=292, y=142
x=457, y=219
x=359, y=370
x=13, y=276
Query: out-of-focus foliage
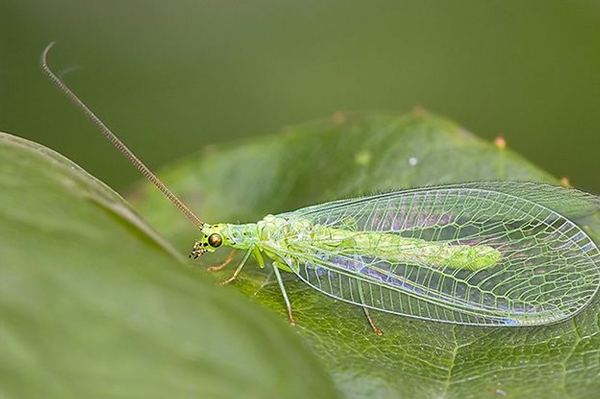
x=206, y=71
x=94, y=305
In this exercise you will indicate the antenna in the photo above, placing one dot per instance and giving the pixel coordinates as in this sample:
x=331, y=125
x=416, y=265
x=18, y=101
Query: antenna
x=115, y=140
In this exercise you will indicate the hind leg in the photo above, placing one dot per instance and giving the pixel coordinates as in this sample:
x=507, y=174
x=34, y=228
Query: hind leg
x=375, y=329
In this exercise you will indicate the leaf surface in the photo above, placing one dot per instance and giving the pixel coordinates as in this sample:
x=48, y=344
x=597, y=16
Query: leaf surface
x=357, y=155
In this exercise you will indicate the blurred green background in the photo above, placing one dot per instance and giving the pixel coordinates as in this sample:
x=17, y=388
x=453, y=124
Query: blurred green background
x=172, y=77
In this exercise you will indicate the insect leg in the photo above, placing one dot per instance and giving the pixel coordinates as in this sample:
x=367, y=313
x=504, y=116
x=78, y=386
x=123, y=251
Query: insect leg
x=258, y=256
x=222, y=265
x=264, y=283
x=285, y=297
x=366, y=311
x=373, y=326
x=237, y=271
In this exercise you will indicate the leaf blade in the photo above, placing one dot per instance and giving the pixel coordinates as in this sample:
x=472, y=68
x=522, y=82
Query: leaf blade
x=244, y=182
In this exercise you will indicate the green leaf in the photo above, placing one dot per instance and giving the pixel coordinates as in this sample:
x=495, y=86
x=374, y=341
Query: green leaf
x=364, y=154
x=94, y=304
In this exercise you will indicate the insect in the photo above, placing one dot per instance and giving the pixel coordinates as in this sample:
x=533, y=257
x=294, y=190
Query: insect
x=487, y=253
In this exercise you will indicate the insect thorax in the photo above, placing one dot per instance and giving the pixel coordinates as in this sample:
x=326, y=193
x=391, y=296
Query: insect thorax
x=244, y=236
x=239, y=236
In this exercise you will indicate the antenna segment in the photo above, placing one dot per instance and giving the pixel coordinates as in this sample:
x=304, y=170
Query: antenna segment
x=115, y=140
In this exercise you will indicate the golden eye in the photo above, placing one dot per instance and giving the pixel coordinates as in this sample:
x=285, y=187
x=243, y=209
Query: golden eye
x=215, y=240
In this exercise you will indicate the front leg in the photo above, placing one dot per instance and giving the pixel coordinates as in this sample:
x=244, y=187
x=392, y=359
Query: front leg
x=222, y=265
x=238, y=270
x=252, y=251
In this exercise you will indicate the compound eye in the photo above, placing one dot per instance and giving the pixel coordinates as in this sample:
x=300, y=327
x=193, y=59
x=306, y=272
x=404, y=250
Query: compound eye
x=215, y=240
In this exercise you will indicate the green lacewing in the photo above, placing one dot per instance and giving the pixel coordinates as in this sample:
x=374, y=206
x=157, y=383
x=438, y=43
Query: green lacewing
x=483, y=253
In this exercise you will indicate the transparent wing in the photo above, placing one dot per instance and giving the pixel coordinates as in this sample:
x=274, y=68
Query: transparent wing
x=548, y=269
x=569, y=202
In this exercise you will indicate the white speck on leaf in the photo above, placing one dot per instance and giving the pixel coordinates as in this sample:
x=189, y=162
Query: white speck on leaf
x=363, y=158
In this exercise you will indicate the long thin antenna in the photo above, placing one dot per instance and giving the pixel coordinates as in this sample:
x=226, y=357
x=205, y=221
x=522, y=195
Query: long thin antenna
x=115, y=140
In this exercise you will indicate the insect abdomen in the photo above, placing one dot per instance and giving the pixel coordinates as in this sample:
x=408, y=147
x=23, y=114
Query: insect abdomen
x=395, y=248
